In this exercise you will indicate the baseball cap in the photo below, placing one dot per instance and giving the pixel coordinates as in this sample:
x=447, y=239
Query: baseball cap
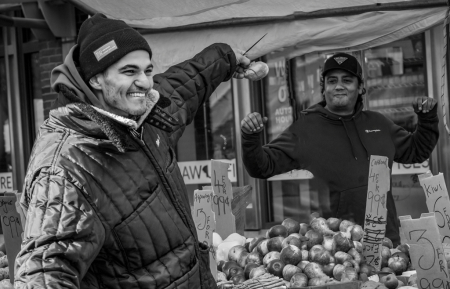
x=345, y=62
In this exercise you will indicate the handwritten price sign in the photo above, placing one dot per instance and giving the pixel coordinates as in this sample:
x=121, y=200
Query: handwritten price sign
x=225, y=220
x=205, y=224
x=427, y=254
x=12, y=229
x=376, y=212
x=437, y=201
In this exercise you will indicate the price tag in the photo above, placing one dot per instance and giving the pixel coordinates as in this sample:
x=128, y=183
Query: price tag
x=376, y=212
x=427, y=254
x=225, y=220
x=205, y=223
x=12, y=229
x=438, y=202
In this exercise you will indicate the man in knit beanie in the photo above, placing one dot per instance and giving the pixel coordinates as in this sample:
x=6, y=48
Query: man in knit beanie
x=106, y=203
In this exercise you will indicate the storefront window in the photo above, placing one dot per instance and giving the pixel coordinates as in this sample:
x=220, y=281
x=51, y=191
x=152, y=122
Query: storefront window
x=395, y=77
x=210, y=136
x=38, y=103
x=5, y=141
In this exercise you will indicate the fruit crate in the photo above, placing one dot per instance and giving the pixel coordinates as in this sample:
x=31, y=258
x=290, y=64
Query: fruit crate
x=341, y=285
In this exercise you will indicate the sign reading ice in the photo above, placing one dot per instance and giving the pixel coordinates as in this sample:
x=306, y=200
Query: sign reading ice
x=376, y=211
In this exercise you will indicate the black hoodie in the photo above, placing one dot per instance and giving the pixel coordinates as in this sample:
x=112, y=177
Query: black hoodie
x=337, y=150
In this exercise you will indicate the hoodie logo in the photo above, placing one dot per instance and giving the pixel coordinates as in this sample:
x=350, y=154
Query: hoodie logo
x=157, y=141
x=372, y=130
x=340, y=59
x=105, y=50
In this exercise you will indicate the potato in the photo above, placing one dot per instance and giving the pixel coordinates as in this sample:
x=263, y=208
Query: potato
x=4, y=273
x=256, y=71
x=3, y=261
x=6, y=284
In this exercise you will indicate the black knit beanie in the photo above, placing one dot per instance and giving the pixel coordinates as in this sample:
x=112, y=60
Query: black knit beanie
x=103, y=41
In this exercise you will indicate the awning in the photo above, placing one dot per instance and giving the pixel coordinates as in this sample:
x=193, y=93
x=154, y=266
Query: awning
x=177, y=29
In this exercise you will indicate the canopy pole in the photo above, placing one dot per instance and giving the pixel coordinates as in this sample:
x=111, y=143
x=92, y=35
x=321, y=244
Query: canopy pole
x=8, y=21
x=324, y=13
x=444, y=68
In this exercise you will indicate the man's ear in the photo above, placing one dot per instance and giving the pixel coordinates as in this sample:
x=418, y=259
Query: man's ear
x=361, y=89
x=95, y=83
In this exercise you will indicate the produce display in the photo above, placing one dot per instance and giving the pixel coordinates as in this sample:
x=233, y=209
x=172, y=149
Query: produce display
x=296, y=255
x=4, y=272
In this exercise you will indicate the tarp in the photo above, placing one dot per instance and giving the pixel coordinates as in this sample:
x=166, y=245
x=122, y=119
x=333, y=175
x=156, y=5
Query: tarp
x=349, y=32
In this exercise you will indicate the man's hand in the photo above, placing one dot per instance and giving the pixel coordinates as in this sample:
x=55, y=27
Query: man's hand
x=424, y=104
x=242, y=61
x=253, y=123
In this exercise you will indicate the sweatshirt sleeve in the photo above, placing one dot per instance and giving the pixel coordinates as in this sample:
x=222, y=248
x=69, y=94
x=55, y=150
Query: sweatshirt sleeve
x=416, y=147
x=189, y=84
x=62, y=236
x=272, y=159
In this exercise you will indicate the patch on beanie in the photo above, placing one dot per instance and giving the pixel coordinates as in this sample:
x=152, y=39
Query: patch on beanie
x=105, y=50
x=340, y=59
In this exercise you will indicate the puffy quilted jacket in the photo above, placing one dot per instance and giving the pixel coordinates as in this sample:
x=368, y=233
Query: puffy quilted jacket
x=107, y=208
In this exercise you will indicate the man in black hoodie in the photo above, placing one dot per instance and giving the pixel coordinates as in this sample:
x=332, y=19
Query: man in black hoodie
x=106, y=203
x=335, y=138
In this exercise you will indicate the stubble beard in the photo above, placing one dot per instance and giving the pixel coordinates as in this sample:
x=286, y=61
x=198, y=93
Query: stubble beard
x=113, y=98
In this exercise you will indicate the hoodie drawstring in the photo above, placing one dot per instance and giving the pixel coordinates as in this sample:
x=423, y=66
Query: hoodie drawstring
x=357, y=133
x=359, y=137
x=351, y=143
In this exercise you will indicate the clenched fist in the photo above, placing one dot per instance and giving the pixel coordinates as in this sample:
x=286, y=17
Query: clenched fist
x=253, y=123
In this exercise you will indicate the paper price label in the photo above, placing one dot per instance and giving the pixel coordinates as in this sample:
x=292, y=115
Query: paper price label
x=438, y=202
x=205, y=224
x=225, y=220
x=426, y=252
x=12, y=229
x=376, y=212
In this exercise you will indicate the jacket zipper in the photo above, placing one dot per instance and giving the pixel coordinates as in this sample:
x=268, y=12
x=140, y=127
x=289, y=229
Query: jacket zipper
x=178, y=207
x=137, y=135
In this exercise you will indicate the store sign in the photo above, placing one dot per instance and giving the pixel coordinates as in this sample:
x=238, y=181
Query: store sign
x=410, y=169
x=6, y=182
x=279, y=110
x=199, y=172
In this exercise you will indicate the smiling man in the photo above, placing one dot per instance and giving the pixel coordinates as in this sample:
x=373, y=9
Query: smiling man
x=106, y=203
x=335, y=138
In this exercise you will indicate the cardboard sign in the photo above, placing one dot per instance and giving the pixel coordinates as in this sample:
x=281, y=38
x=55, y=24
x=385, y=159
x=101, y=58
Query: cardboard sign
x=205, y=224
x=376, y=212
x=438, y=202
x=12, y=229
x=426, y=252
x=225, y=220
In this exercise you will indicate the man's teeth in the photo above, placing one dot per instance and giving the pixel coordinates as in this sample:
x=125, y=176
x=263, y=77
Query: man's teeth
x=136, y=94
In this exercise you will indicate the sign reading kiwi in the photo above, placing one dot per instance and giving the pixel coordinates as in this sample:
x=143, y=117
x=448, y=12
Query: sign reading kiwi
x=425, y=249
x=221, y=185
x=438, y=202
x=376, y=211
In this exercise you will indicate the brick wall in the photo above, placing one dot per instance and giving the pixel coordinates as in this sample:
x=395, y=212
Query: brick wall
x=50, y=56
